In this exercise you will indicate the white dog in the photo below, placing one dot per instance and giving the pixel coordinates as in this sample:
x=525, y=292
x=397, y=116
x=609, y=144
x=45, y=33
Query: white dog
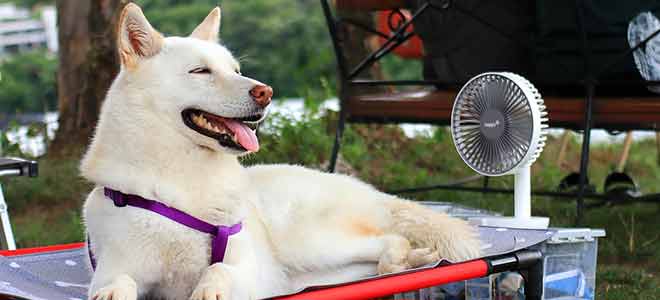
x=173, y=123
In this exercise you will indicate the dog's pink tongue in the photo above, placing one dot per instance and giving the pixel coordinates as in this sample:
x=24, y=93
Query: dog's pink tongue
x=244, y=135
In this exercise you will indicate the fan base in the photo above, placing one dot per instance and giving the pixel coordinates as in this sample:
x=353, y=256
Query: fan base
x=511, y=222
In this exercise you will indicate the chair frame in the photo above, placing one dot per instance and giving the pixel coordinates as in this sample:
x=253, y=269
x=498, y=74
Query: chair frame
x=12, y=167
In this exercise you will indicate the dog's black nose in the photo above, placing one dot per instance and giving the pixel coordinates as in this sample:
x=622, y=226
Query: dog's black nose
x=262, y=94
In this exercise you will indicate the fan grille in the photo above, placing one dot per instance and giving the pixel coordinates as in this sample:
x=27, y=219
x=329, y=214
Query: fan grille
x=492, y=124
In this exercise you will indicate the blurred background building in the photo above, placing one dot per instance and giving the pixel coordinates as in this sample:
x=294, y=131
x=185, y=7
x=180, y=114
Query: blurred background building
x=22, y=29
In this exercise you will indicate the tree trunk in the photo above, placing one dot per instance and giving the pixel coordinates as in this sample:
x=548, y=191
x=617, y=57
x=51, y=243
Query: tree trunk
x=88, y=63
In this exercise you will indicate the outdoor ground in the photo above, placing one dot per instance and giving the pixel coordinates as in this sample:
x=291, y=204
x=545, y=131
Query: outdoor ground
x=46, y=210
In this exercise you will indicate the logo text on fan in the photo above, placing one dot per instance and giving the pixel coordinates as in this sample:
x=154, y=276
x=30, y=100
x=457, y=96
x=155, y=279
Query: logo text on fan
x=492, y=125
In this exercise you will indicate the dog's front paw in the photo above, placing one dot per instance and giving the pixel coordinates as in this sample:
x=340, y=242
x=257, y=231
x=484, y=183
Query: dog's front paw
x=209, y=292
x=214, y=284
x=394, y=258
x=114, y=293
x=121, y=289
x=422, y=256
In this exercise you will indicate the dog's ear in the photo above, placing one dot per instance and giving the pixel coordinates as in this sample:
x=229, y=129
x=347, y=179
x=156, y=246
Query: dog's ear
x=209, y=29
x=137, y=39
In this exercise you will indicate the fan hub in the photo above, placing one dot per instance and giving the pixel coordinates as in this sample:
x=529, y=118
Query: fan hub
x=492, y=124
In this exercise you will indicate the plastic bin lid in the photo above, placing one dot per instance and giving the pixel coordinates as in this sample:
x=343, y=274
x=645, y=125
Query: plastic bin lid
x=574, y=235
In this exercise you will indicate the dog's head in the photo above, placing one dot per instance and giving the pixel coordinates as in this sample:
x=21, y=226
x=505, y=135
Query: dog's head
x=194, y=84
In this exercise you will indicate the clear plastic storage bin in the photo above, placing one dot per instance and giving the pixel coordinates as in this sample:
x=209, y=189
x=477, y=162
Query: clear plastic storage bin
x=569, y=273
x=570, y=264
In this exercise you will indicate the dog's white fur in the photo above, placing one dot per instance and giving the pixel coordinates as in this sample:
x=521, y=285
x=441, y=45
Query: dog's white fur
x=301, y=227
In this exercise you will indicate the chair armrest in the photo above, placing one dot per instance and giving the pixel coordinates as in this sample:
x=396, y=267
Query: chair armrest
x=10, y=166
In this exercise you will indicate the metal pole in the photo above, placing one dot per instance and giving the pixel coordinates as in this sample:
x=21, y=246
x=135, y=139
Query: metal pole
x=404, y=282
x=476, y=189
x=6, y=234
x=486, y=182
x=332, y=29
x=590, y=85
x=338, y=135
x=584, y=158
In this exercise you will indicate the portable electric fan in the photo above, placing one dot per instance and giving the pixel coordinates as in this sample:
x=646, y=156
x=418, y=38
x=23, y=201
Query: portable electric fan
x=498, y=125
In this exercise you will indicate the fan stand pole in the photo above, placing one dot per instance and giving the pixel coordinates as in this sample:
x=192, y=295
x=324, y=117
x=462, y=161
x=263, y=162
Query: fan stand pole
x=522, y=207
x=523, y=194
x=523, y=202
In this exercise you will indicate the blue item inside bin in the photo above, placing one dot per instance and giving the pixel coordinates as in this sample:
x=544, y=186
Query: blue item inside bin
x=570, y=283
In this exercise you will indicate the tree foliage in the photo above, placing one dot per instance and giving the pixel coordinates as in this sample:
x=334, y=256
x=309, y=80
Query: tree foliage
x=27, y=82
x=283, y=43
x=280, y=42
x=28, y=3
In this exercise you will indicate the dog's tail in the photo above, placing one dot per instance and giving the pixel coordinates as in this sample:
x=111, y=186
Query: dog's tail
x=453, y=238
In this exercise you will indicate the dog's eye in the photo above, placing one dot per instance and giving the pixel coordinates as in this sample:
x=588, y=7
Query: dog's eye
x=200, y=70
x=238, y=71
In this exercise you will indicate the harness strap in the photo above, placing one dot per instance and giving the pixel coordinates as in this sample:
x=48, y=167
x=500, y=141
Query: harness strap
x=220, y=233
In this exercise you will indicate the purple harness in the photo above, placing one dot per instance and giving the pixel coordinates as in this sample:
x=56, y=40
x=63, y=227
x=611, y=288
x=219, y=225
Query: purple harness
x=220, y=233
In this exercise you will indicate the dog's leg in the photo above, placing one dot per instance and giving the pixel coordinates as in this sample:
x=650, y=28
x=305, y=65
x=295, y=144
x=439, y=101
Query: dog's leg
x=122, y=287
x=394, y=255
x=233, y=279
x=222, y=281
x=361, y=241
x=118, y=278
x=422, y=256
x=452, y=238
x=398, y=255
x=215, y=284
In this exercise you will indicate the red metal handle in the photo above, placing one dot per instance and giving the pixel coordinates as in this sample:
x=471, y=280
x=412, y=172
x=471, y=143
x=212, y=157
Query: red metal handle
x=25, y=251
x=399, y=283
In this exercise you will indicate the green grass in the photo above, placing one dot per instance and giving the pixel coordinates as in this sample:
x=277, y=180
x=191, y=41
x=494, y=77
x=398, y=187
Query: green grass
x=616, y=283
x=46, y=210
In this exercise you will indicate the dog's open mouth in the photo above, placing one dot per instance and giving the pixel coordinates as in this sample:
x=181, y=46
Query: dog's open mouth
x=236, y=133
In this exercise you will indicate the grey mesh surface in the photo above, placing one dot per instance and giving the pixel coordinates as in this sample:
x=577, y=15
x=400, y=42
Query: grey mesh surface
x=65, y=275
x=62, y=275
